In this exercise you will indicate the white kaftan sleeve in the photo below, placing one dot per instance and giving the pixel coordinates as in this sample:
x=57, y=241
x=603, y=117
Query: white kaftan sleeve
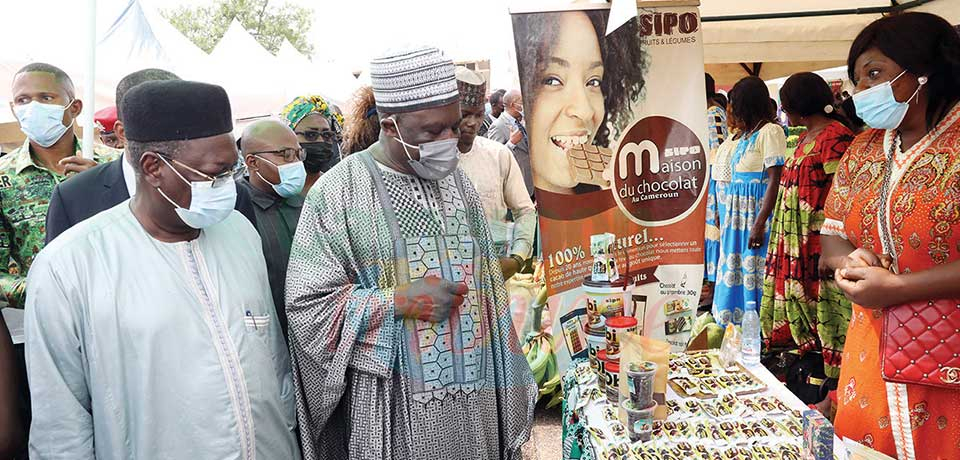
x=62, y=426
x=516, y=197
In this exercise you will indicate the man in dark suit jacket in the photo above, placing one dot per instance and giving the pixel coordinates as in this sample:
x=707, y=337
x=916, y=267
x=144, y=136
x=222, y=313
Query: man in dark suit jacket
x=508, y=129
x=102, y=188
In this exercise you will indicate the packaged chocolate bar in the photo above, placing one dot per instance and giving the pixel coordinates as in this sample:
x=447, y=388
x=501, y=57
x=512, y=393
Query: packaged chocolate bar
x=688, y=386
x=701, y=431
x=730, y=454
x=669, y=454
x=768, y=405
x=609, y=414
x=781, y=406
x=616, y=451
x=618, y=430
x=657, y=428
x=703, y=371
x=674, y=405
x=753, y=404
x=711, y=410
x=692, y=406
x=730, y=430
x=594, y=394
x=683, y=447
x=793, y=427
x=765, y=451
x=717, y=435
x=645, y=452
x=726, y=410
x=759, y=430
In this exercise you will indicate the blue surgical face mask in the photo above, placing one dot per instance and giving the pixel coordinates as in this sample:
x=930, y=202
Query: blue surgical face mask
x=879, y=108
x=437, y=159
x=293, y=176
x=210, y=201
x=42, y=123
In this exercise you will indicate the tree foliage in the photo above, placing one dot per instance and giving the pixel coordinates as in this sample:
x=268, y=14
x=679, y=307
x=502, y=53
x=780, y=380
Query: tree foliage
x=269, y=24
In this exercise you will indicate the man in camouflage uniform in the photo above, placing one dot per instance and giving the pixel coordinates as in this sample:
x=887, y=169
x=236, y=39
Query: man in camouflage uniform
x=44, y=101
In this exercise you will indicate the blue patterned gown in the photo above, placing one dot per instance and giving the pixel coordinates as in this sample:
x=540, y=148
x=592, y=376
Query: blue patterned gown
x=741, y=176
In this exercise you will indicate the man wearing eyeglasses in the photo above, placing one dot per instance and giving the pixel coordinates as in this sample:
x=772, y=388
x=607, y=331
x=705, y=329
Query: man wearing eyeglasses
x=150, y=327
x=110, y=184
x=277, y=175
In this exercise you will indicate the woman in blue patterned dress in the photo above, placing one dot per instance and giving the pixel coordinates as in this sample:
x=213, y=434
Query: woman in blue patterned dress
x=748, y=178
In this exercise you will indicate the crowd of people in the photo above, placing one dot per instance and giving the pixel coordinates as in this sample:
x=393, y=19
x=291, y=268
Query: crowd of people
x=330, y=286
x=364, y=319
x=849, y=229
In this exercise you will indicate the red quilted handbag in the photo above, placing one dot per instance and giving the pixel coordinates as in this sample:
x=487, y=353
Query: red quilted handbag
x=921, y=340
x=921, y=344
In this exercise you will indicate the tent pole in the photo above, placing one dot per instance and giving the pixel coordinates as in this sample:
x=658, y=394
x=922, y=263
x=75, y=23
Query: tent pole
x=806, y=14
x=90, y=81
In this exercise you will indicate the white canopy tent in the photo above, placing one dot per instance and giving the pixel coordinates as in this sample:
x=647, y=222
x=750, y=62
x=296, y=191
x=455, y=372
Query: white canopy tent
x=132, y=36
x=776, y=47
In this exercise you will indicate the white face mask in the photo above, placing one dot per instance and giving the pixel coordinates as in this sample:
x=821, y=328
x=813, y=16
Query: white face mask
x=437, y=159
x=210, y=201
x=879, y=108
x=293, y=176
x=42, y=123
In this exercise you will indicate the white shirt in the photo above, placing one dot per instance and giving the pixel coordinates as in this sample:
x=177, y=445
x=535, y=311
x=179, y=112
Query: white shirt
x=129, y=175
x=495, y=174
x=142, y=349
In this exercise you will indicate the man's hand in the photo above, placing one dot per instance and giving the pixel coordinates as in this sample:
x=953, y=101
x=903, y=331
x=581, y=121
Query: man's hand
x=429, y=299
x=515, y=135
x=509, y=266
x=871, y=287
x=75, y=164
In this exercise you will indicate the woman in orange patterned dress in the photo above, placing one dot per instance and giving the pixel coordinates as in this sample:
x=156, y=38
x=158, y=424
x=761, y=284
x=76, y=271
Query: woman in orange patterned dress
x=912, y=62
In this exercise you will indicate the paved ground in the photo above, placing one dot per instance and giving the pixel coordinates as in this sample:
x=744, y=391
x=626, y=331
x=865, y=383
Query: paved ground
x=545, y=441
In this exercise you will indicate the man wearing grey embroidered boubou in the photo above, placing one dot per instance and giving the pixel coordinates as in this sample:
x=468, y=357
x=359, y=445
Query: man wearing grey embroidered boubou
x=400, y=333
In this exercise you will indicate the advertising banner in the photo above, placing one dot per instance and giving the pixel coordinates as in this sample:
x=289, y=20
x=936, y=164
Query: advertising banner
x=616, y=127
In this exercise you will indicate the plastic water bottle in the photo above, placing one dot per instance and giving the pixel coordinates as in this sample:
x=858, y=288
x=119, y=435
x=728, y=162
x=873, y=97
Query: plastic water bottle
x=750, y=343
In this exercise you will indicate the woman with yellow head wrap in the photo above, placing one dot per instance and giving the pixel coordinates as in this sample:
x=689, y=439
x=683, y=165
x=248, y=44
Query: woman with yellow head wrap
x=318, y=126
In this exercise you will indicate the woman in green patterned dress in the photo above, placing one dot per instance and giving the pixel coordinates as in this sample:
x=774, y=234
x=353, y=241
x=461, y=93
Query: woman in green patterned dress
x=799, y=310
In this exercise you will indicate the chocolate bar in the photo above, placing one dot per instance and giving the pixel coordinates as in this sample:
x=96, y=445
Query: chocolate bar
x=589, y=162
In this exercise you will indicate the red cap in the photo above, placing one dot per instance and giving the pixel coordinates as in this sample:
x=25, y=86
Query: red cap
x=621, y=322
x=612, y=366
x=105, y=118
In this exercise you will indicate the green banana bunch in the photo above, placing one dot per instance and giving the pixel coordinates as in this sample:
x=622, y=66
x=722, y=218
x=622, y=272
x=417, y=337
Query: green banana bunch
x=543, y=363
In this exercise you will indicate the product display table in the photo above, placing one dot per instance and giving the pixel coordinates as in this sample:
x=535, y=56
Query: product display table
x=767, y=424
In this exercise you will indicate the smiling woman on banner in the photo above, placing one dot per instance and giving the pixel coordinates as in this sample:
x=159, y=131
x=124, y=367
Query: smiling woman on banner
x=579, y=87
x=900, y=378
